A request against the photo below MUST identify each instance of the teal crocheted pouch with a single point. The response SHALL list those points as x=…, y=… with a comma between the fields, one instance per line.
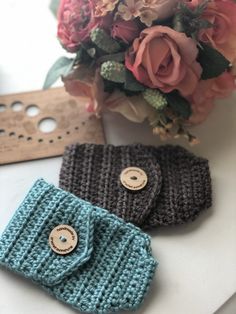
x=100, y=265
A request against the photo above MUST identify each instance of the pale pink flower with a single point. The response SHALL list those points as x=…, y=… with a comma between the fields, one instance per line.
x=130, y=9
x=147, y=10
x=87, y=86
x=151, y=4
x=147, y=16
x=103, y=7
x=163, y=8
x=134, y=108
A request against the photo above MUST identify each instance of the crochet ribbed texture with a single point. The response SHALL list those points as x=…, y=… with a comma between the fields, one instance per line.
x=111, y=268
x=178, y=189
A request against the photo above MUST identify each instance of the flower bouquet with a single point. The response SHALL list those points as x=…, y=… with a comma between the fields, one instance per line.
x=162, y=60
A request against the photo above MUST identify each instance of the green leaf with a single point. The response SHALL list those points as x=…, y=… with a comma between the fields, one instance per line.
x=110, y=87
x=212, y=61
x=190, y=21
x=201, y=7
x=131, y=84
x=85, y=55
x=54, y=4
x=61, y=67
x=179, y=104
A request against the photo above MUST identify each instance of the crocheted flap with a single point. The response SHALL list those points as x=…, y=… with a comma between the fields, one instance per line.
x=92, y=172
x=24, y=245
x=186, y=187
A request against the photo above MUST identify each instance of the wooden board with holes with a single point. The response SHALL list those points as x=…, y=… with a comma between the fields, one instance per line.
x=23, y=115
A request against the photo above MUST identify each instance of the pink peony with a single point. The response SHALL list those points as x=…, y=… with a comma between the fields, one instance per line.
x=222, y=36
x=165, y=59
x=127, y=31
x=75, y=21
x=206, y=92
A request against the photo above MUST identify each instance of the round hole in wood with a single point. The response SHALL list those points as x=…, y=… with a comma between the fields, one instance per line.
x=17, y=106
x=32, y=110
x=2, y=107
x=2, y=132
x=21, y=136
x=47, y=125
x=29, y=138
x=51, y=141
x=12, y=134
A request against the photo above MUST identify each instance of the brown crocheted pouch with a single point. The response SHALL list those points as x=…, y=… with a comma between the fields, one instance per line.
x=178, y=183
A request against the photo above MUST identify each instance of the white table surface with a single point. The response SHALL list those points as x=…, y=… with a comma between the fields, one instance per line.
x=197, y=271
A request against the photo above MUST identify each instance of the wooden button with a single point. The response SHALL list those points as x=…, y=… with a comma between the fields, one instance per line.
x=63, y=239
x=133, y=178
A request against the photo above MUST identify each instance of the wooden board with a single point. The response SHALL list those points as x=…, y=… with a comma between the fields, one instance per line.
x=21, y=135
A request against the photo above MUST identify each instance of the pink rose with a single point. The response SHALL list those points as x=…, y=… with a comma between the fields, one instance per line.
x=75, y=21
x=165, y=59
x=222, y=36
x=206, y=92
x=127, y=31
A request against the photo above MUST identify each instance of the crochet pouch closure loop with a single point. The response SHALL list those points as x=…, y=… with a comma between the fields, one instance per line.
x=24, y=245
